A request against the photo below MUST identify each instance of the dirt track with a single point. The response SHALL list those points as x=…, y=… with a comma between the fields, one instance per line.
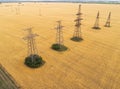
x=6, y=80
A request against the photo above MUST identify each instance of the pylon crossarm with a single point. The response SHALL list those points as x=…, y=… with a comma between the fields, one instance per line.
x=78, y=19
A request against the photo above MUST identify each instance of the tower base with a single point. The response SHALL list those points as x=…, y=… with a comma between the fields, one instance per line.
x=107, y=26
x=59, y=47
x=34, y=61
x=96, y=28
x=77, y=39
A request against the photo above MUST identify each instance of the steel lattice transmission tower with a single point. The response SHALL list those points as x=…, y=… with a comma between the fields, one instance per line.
x=59, y=46
x=39, y=11
x=32, y=49
x=33, y=60
x=107, y=24
x=17, y=10
x=96, y=25
x=59, y=34
x=11, y=8
x=77, y=36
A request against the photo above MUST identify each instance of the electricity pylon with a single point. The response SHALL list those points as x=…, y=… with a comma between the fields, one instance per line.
x=77, y=36
x=17, y=10
x=33, y=60
x=107, y=24
x=59, y=34
x=39, y=11
x=11, y=8
x=32, y=49
x=59, y=46
x=96, y=25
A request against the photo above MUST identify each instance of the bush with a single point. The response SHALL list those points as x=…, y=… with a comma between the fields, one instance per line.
x=96, y=28
x=34, y=61
x=58, y=47
x=76, y=39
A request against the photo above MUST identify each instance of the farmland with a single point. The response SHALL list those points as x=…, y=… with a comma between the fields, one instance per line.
x=90, y=64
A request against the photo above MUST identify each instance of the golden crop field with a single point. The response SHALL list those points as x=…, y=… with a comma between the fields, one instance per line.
x=93, y=63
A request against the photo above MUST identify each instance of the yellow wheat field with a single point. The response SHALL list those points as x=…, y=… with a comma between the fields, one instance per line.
x=93, y=63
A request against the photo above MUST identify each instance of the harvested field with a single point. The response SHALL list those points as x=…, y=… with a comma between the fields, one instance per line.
x=93, y=63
